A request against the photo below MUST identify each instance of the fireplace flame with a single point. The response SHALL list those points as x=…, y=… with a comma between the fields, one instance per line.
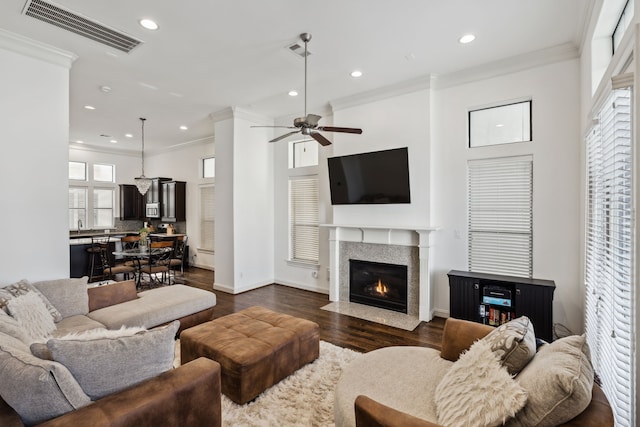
x=381, y=288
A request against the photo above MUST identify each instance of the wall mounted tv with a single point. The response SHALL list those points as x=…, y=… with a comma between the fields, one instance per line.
x=378, y=177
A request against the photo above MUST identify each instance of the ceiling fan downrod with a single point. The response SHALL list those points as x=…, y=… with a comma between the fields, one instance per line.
x=305, y=37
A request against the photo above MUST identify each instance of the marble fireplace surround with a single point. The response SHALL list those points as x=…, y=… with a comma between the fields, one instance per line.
x=403, y=245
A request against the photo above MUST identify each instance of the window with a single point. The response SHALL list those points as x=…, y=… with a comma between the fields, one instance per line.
x=89, y=206
x=303, y=219
x=104, y=173
x=502, y=124
x=103, y=200
x=625, y=19
x=207, y=217
x=77, y=208
x=609, y=260
x=501, y=216
x=209, y=167
x=303, y=153
x=78, y=171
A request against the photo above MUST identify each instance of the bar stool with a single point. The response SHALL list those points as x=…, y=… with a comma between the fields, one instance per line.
x=95, y=260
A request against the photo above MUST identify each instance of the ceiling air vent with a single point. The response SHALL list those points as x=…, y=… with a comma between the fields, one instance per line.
x=70, y=21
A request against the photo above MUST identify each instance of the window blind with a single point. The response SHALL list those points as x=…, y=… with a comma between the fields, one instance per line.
x=207, y=217
x=303, y=219
x=501, y=215
x=608, y=253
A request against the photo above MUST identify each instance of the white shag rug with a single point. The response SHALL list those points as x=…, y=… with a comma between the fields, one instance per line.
x=303, y=399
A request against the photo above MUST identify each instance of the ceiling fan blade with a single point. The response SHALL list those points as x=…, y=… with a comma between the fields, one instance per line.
x=312, y=119
x=284, y=136
x=283, y=127
x=321, y=139
x=339, y=129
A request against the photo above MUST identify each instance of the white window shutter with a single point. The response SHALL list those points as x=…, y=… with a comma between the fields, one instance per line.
x=303, y=219
x=501, y=215
x=609, y=260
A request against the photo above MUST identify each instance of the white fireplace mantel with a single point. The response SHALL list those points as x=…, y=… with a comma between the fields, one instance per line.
x=417, y=236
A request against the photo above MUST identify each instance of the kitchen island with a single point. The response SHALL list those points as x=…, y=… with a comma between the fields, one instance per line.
x=79, y=243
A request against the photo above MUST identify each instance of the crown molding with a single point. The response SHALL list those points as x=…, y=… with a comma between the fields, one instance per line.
x=559, y=53
x=402, y=88
x=239, y=113
x=35, y=49
x=136, y=153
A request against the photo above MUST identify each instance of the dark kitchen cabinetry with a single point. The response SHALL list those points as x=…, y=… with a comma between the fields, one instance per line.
x=173, y=201
x=131, y=203
x=494, y=299
x=154, y=198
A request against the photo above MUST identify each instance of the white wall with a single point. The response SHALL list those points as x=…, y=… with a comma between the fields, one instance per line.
x=555, y=91
x=244, y=203
x=34, y=112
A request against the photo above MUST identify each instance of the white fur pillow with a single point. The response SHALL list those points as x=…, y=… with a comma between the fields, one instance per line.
x=477, y=391
x=32, y=315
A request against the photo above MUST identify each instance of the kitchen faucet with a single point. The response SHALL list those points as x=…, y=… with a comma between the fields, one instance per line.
x=79, y=225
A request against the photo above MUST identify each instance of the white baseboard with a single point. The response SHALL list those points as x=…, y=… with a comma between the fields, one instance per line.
x=315, y=289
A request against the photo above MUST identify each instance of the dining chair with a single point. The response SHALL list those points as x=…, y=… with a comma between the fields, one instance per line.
x=132, y=242
x=157, y=267
x=179, y=254
x=109, y=267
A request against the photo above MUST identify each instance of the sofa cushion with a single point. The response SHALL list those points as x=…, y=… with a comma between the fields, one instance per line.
x=32, y=315
x=108, y=365
x=155, y=307
x=69, y=296
x=10, y=326
x=478, y=391
x=21, y=288
x=514, y=342
x=73, y=324
x=559, y=381
x=36, y=389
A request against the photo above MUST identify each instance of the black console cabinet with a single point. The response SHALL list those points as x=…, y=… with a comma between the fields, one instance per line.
x=526, y=297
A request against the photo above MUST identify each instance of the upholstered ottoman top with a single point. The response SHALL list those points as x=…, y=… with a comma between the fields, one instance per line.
x=255, y=347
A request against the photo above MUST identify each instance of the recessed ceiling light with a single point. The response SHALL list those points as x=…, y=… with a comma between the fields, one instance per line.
x=105, y=89
x=80, y=141
x=356, y=73
x=499, y=125
x=128, y=135
x=149, y=24
x=89, y=107
x=114, y=141
x=467, y=38
x=293, y=93
x=183, y=127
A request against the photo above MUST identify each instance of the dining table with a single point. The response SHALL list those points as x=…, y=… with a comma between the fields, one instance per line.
x=141, y=253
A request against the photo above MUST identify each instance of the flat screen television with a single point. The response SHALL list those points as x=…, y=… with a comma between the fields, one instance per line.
x=378, y=177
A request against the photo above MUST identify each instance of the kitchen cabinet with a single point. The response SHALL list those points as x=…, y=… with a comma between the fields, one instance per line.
x=131, y=203
x=154, y=198
x=477, y=296
x=173, y=201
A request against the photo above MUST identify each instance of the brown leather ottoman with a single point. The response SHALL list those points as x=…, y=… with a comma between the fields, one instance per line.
x=255, y=347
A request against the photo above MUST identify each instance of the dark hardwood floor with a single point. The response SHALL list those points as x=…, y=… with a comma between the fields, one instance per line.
x=344, y=331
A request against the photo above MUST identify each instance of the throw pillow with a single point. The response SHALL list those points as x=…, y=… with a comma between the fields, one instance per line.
x=42, y=351
x=21, y=288
x=514, y=342
x=32, y=315
x=69, y=296
x=108, y=365
x=559, y=381
x=477, y=391
x=36, y=389
x=111, y=294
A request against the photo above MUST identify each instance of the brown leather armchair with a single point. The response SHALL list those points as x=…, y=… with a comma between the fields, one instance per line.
x=186, y=396
x=458, y=336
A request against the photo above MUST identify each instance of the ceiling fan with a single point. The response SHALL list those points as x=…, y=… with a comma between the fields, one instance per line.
x=308, y=125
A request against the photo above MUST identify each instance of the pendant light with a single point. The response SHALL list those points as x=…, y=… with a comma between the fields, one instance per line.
x=142, y=182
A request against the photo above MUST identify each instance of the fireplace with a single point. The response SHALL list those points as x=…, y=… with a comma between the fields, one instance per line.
x=378, y=284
